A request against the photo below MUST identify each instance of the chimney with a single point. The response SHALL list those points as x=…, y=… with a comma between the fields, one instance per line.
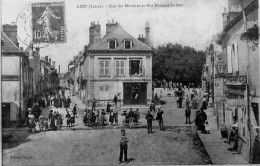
x=141, y=38
x=50, y=61
x=147, y=29
x=46, y=59
x=94, y=33
x=11, y=32
x=53, y=64
x=111, y=26
x=225, y=18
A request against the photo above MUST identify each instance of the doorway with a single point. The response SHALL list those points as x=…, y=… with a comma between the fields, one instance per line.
x=6, y=108
x=135, y=93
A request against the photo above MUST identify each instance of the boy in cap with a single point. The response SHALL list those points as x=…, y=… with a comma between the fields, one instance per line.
x=123, y=146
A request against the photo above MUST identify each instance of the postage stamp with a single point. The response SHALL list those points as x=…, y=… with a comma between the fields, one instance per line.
x=48, y=22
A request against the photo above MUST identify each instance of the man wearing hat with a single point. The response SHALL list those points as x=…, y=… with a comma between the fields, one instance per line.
x=149, y=118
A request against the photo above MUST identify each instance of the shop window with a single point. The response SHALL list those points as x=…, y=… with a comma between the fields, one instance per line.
x=136, y=67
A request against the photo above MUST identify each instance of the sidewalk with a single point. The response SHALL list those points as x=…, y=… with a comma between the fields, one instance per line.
x=215, y=146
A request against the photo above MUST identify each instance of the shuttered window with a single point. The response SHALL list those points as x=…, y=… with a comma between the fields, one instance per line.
x=104, y=68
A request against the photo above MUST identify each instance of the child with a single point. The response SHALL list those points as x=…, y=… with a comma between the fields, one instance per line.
x=123, y=146
x=45, y=124
x=207, y=128
x=41, y=119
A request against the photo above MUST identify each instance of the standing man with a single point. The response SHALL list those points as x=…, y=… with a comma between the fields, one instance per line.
x=119, y=99
x=68, y=101
x=187, y=114
x=149, y=118
x=115, y=100
x=123, y=147
x=75, y=111
x=160, y=118
x=108, y=107
x=94, y=104
x=187, y=101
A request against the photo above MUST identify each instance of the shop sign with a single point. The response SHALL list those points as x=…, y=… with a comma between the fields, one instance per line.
x=238, y=103
x=235, y=80
x=10, y=77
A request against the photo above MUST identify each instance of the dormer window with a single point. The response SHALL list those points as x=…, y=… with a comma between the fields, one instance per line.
x=112, y=44
x=128, y=44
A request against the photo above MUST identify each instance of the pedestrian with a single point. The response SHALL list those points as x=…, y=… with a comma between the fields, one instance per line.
x=97, y=119
x=149, y=118
x=93, y=118
x=64, y=102
x=45, y=124
x=160, y=119
x=68, y=117
x=108, y=107
x=152, y=107
x=115, y=100
x=52, y=123
x=156, y=97
x=119, y=99
x=59, y=122
x=75, y=111
x=123, y=147
x=41, y=119
x=187, y=101
x=111, y=117
x=103, y=117
x=50, y=115
x=204, y=103
x=68, y=101
x=187, y=114
x=207, y=127
x=256, y=148
x=26, y=121
x=31, y=122
x=137, y=115
x=94, y=104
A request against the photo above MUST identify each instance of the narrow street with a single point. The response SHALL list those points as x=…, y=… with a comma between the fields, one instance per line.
x=177, y=145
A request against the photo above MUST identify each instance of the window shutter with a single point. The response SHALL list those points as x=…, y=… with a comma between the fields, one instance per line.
x=101, y=67
x=130, y=67
x=141, y=67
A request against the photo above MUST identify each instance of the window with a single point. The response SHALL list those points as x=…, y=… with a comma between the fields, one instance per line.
x=112, y=44
x=128, y=44
x=104, y=92
x=104, y=68
x=135, y=67
x=120, y=67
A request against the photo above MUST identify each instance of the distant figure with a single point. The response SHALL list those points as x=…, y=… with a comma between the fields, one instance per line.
x=160, y=119
x=123, y=146
x=152, y=107
x=207, y=127
x=149, y=118
x=187, y=114
x=256, y=148
x=115, y=100
x=75, y=111
x=94, y=104
x=156, y=97
x=108, y=107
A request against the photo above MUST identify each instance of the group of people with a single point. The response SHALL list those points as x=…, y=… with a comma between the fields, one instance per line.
x=94, y=119
x=150, y=118
x=131, y=118
x=58, y=99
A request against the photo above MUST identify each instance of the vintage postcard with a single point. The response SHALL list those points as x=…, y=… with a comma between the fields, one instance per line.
x=130, y=82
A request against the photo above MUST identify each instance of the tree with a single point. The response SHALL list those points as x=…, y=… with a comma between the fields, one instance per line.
x=177, y=63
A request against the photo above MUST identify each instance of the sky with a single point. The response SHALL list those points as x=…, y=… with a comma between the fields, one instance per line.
x=192, y=24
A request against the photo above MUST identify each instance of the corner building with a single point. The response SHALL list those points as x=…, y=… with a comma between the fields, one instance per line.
x=118, y=64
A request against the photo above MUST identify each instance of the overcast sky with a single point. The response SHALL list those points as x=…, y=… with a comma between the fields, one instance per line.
x=193, y=25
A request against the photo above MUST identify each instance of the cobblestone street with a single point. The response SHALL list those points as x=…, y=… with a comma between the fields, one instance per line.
x=179, y=144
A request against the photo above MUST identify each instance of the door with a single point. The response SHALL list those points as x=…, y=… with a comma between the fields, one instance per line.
x=5, y=114
x=135, y=93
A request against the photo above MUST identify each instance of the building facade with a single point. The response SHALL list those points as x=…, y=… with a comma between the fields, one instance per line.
x=118, y=64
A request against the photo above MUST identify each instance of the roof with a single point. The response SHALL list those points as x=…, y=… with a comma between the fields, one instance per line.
x=120, y=35
x=7, y=45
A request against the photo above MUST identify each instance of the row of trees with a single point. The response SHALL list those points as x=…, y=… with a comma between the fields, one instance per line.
x=177, y=63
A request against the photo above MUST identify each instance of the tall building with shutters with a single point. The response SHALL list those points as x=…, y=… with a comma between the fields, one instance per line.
x=118, y=64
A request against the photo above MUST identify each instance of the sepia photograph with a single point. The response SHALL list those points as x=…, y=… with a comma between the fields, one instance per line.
x=129, y=82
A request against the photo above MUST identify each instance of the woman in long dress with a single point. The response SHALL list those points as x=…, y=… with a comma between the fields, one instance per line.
x=31, y=122
x=256, y=148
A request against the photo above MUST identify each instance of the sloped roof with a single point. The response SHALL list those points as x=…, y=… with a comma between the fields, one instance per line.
x=7, y=45
x=120, y=35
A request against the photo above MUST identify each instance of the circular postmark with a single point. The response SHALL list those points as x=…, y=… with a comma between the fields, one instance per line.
x=24, y=29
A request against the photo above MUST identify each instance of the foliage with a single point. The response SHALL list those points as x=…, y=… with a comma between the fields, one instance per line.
x=177, y=63
x=251, y=35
